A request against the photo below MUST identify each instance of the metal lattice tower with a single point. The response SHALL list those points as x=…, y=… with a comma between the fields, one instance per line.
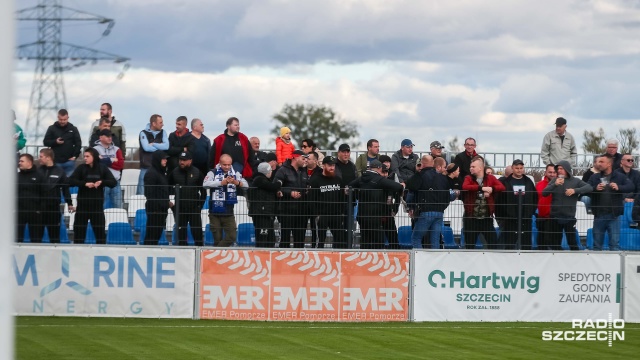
x=47, y=92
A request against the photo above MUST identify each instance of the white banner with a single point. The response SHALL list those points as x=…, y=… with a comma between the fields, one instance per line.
x=104, y=281
x=632, y=288
x=478, y=286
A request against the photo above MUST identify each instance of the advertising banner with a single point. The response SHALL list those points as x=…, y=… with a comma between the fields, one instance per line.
x=104, y=281
x=304, y=285
x=478, y=286
x=632, y=288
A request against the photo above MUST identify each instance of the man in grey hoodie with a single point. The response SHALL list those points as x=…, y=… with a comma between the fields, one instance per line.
x=565, y=190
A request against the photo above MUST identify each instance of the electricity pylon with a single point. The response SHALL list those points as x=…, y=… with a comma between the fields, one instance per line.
x=47, y=91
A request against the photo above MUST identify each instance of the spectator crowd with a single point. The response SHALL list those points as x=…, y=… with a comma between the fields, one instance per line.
x=303, y=189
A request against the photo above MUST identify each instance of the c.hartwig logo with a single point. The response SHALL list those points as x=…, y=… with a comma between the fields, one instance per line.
x=65, y=272
x=589, y=330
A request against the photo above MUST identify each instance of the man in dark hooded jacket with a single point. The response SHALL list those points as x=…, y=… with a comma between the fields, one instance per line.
x=374, y=191
x=55, y=183
x=262, y=204
x=565, y=190
x=156, y=190
x=29, y=192
x=293, y=216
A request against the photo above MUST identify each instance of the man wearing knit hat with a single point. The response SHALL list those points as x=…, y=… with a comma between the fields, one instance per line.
x=284, y=146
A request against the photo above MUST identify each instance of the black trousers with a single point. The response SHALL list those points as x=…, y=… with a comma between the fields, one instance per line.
x=509, y=234
x=391, y=231
x=544, y=233
x=156, y=222
x=335, y=223
x=556, y=234
x=183, y=219
x=34, y=219
x=51, y=216
x=474, y=227
x=85, y=214
x=292, y=224
x=265, y=236
x=371, y=233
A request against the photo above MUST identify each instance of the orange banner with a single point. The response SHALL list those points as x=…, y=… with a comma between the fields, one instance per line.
x=374, y=286
x=234, y=284
x=304, y=285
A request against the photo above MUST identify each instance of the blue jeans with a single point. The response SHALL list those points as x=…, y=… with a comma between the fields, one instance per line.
x=587, y=202
x=140, y=190
x=429, y=222
x=113, y=197
x=602, y=224
x=68, y=167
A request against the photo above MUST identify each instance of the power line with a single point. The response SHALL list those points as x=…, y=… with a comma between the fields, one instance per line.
x=47, y=92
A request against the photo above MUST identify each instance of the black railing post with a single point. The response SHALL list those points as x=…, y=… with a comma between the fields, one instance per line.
x=519, y=241
x=350, y=219
x=176, y=211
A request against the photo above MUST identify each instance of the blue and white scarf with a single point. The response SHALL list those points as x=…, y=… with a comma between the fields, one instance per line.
x=223, y=195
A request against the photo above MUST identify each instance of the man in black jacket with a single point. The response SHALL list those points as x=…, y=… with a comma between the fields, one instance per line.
x=328, y=201
x=609, y=188
x=293, y=218
x=519, y=191
x=180, y=141
x=156, y=190
x=463, y=159
x=190, y=196
x=262, y=204
x=345, y=168
x=626, y=168
x=55, y=183
x=64, y=139
x=431, y=191
x=29, y=193
x=374, y=192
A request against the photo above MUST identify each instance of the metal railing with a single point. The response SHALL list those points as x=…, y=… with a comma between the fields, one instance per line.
x=364, y=219
x=498, y=161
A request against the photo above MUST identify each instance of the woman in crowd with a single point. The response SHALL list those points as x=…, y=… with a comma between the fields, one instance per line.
x=91, y=179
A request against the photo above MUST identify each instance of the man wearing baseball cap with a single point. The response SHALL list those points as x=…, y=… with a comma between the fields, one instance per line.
x=190, y=198
x=345, y=168
x=403, y=161
x=519, y=191
x=329, y=200
x=559, y=145
x=436, y=151
x=294, y=209
x=111, y=156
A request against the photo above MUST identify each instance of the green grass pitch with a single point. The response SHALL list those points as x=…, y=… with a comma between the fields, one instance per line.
x=118, y=338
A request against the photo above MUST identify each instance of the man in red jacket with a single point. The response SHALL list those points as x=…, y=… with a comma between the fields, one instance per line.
x=235, y=144
x=543, y=219
x=479, y=205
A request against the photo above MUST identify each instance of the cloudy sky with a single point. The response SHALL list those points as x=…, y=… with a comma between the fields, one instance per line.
x=500, y=71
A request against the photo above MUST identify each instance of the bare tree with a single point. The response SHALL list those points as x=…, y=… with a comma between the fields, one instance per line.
x=594, y=143
x=628, y=140
x=453, y=145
